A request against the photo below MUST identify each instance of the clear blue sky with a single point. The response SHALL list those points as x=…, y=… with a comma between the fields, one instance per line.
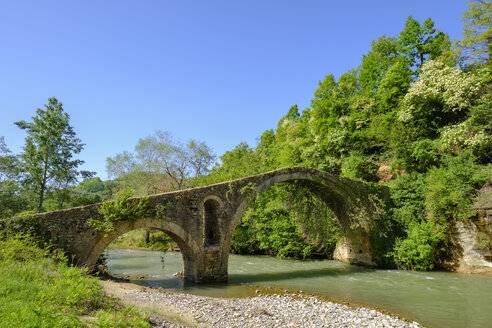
x=217, y=71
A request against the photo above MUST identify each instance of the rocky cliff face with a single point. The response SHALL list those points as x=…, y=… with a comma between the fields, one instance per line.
x=475, y=237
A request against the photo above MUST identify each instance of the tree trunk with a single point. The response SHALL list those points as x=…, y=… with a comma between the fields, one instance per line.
x=43, y=185
x=41, y=198
x=147, y=236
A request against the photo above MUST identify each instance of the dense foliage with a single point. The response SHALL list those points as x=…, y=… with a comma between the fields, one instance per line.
x=287, y=221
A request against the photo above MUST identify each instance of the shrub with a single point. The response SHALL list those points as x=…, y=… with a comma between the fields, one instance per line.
x=358, y=166
x=424, y=155
x=451, y=188
x=422, y=247
x=123, y=208
x=408, y=195
x=243, y=240
x=287, y=221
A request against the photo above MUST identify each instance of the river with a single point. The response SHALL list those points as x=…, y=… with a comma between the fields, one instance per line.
x=434, y=299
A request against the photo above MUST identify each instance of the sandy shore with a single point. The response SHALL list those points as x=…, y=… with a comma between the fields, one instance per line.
x=173, y=309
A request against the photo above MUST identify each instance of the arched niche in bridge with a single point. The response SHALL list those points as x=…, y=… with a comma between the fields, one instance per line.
x=188, y=246
x=211, y=233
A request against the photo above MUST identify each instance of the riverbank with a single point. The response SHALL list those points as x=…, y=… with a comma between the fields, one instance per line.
x=38, y=289
x=173, y=309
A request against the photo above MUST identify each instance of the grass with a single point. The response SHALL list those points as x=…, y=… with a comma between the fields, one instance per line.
x=38, y=289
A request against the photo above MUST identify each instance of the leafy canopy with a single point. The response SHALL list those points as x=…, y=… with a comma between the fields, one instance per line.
x=477, y=31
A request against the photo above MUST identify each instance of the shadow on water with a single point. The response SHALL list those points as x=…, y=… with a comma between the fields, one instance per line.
x=238, y=282
x=238, y=278
x=249, y=278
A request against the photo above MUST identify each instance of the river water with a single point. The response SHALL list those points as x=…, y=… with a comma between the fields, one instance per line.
x=434, y=299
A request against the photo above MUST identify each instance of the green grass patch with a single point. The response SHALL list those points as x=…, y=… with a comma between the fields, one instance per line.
x=38, y=289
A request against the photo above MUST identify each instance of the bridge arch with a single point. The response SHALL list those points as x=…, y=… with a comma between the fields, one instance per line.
x=343, y=196
x=188, y=246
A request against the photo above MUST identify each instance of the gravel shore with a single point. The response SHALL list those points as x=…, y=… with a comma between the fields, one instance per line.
x=174, y=310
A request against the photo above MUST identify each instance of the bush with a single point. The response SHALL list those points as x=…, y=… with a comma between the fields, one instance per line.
x=423, y=156
x=408, y=195
x=137, y=239
x=123, y=208
x=422, y=247
x=244, y=240
x=287, y=221
x=274, y=229
x=277, y=232
x=358, y=166
x=452, y=188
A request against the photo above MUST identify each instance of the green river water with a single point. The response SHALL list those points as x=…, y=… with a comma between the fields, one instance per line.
x=434, y=299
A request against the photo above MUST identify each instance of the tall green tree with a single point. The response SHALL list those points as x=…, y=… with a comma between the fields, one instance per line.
x=477, y=32
x=47, y=157
x=239, y=162
x=12, y=200
x=442, y=96
x=421, y=42
x=8, y=162
x=383, y=54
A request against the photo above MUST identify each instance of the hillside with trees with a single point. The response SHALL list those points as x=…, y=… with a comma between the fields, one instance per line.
x=415, y=115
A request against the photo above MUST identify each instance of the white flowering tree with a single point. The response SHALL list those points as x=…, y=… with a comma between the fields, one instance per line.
x=462, y=136
x=442, y=96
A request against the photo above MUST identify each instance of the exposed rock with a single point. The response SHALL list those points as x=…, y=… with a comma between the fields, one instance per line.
x=475, y=236
x=384, y=173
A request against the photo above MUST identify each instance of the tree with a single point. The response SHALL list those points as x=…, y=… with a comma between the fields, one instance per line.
x=170, y=157
x=394, y=86
x=421, y=42
x=91, y=191
x=62, y=193
x=201, y=157
x=161, y=163
x=47, y=158
x=443, y=95
x=8, y=162
x=11, y=199
x=121, y=164
x=477, y=32
x=236, y=163
x=383, y=54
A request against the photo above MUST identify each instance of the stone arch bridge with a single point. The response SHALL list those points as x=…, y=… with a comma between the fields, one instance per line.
x=202, y=220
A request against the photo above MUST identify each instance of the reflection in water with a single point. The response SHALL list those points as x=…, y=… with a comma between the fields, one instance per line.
x=435, y=299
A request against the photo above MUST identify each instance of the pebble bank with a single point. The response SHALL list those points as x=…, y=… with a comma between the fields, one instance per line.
x=287, y=310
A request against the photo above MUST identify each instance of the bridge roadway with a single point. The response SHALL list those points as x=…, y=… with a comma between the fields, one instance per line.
x=202, y=220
